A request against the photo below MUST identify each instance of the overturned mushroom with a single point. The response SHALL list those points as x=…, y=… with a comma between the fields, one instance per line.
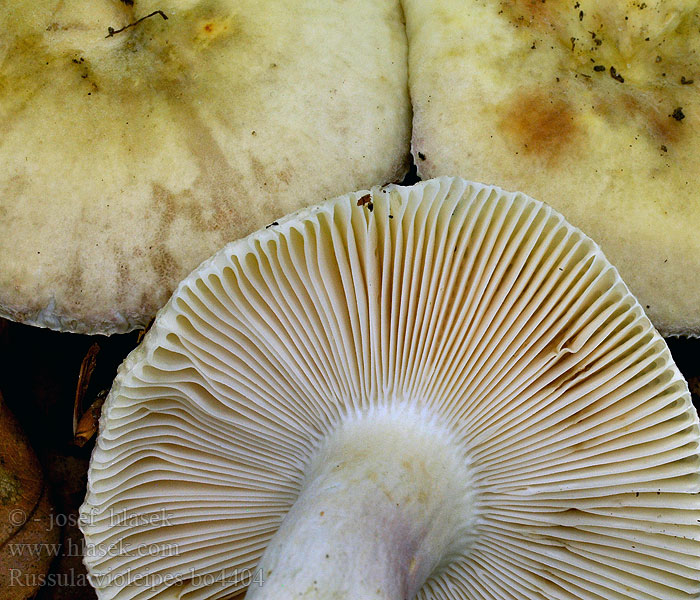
x=451, y=395
x=590, y=106
x=139, y=137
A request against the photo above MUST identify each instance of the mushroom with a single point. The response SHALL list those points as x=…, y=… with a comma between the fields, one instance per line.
x=590, y=106
x=29, y=536
x=438, y=391
x=138, y=137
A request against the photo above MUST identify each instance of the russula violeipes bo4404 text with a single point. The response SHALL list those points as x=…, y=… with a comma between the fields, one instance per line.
x=139, y=137
x=589, y=106
x=443, y=391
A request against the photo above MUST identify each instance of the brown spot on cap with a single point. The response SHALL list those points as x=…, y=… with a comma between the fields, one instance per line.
x=529, y=12
x=649, y=111
x=213, y=28
x=542, y=125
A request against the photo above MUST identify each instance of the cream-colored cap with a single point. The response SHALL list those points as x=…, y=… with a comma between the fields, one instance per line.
x=589, y=106
x=133, y=146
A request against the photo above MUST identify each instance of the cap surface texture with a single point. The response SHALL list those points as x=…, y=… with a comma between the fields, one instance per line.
x=140, y=137
x=591, y=107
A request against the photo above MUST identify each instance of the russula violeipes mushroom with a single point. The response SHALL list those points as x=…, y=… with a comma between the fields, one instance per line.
x=443, y=391
x=139, y=137
x=590, y=106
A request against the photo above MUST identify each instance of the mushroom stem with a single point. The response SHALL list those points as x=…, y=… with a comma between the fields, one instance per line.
x=386, y=503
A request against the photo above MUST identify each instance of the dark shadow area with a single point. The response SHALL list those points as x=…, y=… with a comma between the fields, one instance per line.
x=38, y=381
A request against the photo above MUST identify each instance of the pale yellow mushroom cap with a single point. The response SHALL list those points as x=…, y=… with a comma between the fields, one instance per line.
x=590, y=106
x=129, y=158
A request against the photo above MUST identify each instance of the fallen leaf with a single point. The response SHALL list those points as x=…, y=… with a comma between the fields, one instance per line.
x=86, y=369
x=90, y=421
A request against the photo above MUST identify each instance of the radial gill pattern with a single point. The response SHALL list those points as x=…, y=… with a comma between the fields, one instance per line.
x=483, y=307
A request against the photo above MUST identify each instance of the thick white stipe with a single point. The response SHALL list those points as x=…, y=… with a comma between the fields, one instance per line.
x=387, y=501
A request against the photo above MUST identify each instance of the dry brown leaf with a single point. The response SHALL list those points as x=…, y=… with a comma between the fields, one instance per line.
x=90, y=421
x=86, y=369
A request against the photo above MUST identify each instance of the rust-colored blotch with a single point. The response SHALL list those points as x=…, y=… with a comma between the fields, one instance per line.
x=541, y=125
